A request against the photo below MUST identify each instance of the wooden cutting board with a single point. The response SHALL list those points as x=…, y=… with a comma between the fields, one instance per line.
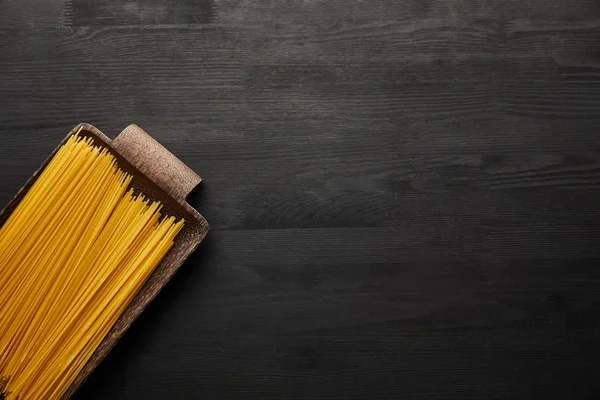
x=160, y=176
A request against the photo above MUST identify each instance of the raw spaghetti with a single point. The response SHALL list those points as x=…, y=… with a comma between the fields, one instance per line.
x=73, y=254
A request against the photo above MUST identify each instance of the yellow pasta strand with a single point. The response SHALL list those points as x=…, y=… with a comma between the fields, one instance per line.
x=73, y=255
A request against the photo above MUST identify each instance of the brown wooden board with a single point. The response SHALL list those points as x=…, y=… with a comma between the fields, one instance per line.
x=160, y=176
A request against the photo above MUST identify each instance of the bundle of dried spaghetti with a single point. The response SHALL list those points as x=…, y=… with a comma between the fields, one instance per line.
x=73, y=254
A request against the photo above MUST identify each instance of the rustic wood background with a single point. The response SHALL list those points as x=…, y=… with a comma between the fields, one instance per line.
x=404, y=195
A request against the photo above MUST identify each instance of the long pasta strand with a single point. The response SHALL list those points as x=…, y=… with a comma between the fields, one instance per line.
x=73, y=254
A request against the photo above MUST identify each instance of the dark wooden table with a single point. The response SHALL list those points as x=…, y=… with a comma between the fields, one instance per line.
x=404, y=195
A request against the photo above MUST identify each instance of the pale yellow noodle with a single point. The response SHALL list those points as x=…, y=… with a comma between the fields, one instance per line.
x=73, y=255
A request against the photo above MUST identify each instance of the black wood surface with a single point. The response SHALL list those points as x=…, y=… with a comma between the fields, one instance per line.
x=404, y=195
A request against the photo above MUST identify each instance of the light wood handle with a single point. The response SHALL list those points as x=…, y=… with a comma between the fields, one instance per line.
x=156, y=162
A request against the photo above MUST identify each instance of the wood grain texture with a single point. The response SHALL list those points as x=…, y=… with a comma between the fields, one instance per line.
x=133, y=12
x=156, y=162
x=426, y=39
x=403, y=195
x=35, y=13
